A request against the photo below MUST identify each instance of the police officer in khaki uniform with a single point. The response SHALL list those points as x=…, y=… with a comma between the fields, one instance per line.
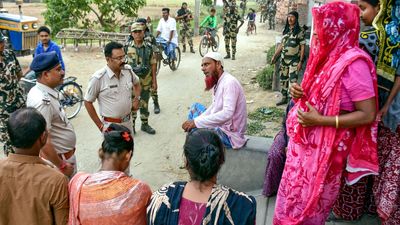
x=141, y=59
x=113, y=86
x=61, y=140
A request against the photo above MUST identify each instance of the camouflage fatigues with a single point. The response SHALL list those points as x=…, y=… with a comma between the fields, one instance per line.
x=141, y=59
x=231, y=30
x=271, y=12
x=243, y=7
x=290, y=58
x=12, y=96
x=264, y=13
x=226, y=6
x=185, y=31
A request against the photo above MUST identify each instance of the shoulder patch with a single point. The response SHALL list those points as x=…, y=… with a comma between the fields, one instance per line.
x=46, y=98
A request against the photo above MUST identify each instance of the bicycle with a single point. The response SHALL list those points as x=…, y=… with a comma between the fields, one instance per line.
x=162, y=58
x=206, y=42
x=251, y=26
x=71, y=95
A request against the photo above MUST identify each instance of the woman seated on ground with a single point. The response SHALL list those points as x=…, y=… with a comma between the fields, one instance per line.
x=201, y=200
x=110, y=196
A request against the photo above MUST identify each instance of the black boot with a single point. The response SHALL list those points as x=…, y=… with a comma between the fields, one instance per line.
x=283, y=101
x=147, y=128
x=228, y=56
x=184, y=48
x=233, y=57
x=156, y=107
x=192, y=50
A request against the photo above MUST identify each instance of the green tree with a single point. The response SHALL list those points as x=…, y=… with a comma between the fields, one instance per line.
x=69, y=13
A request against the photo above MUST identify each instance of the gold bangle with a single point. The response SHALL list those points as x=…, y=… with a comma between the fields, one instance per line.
x=337, y=122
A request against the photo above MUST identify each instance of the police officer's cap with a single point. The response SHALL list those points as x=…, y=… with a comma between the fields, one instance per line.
x=137, y=27
x=44, y=62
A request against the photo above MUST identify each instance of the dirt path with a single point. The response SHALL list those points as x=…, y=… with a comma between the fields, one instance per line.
x=157, y=158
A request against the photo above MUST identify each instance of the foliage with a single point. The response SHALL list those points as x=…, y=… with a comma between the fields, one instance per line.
x=270, y=53
x=264, y=77
x=207, y=2
x=254, y=128
x=267, y=114
x=66, y=13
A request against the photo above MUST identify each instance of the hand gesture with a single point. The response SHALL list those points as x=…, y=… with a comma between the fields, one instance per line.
x=310, y=118
x=296, y=91
x=188, y=125
x=382, y=112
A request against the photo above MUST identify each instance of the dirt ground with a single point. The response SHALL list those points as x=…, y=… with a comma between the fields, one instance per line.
x=157, y=159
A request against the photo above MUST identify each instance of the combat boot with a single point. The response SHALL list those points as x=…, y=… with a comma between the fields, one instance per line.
x=184, y=48
x=147, y=128
x=192, y=50
x=156, y=107
x=233, y=57
x=228, y=56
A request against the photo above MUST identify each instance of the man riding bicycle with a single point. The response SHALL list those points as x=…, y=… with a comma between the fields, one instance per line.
x=167, y=35
x=210, y=23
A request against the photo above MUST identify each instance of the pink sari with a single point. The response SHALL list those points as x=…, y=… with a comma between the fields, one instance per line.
x=317, y=156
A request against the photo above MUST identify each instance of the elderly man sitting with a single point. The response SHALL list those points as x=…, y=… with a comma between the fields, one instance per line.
x=227, y=115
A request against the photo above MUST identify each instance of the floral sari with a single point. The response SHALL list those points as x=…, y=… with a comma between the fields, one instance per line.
x=317, y=156
x=107, y=197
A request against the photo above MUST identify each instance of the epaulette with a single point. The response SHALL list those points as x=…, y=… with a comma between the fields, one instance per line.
x=100, y=74
x=46, y=98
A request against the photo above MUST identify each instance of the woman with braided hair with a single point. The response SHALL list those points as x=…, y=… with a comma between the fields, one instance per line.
x=110, y=196
x=201, y=200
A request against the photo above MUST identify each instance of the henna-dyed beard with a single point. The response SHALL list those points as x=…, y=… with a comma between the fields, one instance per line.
x=210, y=81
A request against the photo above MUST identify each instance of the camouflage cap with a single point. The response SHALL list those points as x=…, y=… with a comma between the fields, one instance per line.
x=137, y=26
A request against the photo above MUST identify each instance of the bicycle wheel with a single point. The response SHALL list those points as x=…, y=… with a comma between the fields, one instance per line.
x=175, y=63
x=216, y=46
x=203, y=46
x=71, y=99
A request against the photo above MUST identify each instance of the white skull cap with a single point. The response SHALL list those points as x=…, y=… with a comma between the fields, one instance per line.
x=216, y=56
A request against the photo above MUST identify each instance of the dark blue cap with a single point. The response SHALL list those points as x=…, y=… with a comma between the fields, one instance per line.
x=45, y=61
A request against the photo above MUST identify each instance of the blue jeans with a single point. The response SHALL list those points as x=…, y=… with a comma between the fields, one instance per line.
x=169, y=50
x=196, y=110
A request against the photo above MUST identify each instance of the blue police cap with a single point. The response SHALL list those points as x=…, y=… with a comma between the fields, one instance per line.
x=45, y=61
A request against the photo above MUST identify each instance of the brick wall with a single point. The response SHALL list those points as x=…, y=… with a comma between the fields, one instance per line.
x=285, y=6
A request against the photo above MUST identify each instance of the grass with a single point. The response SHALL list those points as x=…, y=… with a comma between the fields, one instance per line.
x=267, y=114
x=264, y=121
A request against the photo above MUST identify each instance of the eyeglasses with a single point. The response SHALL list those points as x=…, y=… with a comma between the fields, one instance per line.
x=121, y=58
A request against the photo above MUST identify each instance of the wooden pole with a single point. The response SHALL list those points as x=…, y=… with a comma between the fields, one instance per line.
x=196, y=17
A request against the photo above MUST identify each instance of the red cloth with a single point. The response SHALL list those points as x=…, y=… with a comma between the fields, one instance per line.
x=316, y=155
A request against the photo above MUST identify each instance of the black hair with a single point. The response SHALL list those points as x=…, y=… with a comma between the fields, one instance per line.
x=184, y=3
x=117, y=138
x=25, y=126
x=213, y=9
x=43, y=29
x=165, y=9
x=205, y=154
x=296, y=28
x=111, y=46
x=374, y=3
x=141, y=20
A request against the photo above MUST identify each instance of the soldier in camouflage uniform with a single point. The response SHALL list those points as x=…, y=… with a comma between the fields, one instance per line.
x=264, y=12
x=151, y=40
x=291, y=51
x=141, y=59
x=231, y=30
x=227, y=4
x=12, y=96
x=184, y=16
x=243, y=6
x=271, y=13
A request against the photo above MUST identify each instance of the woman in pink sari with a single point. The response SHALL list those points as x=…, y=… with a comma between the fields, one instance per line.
x=110, y=196
x=331, y=127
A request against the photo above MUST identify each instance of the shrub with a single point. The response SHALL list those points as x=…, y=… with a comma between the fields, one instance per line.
x=264, y=77
x=270, y=53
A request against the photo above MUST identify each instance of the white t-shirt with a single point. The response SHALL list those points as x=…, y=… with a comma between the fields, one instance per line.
x=165, y=27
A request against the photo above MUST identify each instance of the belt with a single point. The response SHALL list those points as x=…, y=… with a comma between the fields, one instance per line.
x=67, y=155
x=117, y=120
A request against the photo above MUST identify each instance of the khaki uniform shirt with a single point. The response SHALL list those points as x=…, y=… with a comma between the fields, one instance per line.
x=61, y=132
x=31, y=192
x=114, y=95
